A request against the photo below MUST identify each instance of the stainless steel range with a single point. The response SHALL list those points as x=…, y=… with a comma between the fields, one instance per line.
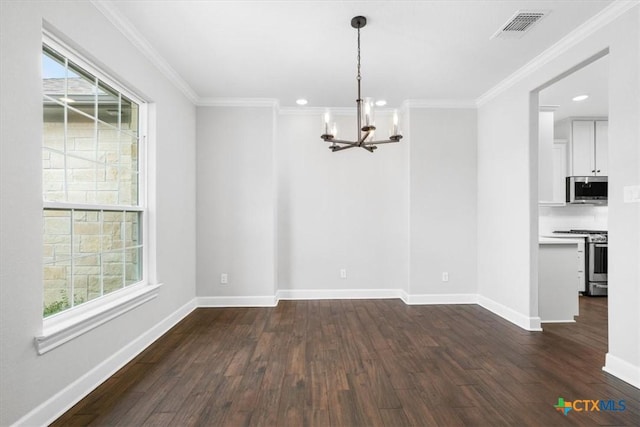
x=596, y=260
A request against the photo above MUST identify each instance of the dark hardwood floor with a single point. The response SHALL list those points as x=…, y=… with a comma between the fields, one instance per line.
x=362, y=363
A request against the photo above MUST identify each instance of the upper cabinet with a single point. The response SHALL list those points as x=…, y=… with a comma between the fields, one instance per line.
x=589, y=147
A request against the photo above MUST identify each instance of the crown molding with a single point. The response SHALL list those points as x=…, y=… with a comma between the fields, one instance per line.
x=603, y=18
x=237, y=102
x=439, y=103
x=107, y=8
x=314, y=111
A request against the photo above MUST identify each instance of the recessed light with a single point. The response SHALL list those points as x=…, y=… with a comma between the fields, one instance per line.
x=381, y=102
x=301, y=101
x=580, y=97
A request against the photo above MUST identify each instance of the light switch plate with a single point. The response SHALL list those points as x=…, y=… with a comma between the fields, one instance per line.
x=632, y=194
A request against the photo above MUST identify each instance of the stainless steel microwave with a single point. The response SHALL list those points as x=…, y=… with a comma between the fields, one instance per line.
x=587, y=190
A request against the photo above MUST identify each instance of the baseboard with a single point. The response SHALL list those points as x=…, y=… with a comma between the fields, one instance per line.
x=430, y=299
x=306, y=294
x=622, y=369
x=519, y=319
x=57, y=405
x=558, y=321
x=253, y=301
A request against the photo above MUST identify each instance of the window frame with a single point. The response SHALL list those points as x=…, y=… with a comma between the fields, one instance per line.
x=75, y=321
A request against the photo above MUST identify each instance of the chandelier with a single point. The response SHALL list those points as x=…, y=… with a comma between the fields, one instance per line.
x=366, y=126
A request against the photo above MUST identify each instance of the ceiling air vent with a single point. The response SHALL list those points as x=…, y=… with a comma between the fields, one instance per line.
x=521, y=22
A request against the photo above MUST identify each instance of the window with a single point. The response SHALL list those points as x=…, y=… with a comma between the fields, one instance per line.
x=93, y=186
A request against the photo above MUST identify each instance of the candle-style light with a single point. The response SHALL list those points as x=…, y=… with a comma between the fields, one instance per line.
x=366, y=121
x=395, y=123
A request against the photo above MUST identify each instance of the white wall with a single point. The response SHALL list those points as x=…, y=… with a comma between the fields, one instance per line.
x=443, y=200
x=28, y=379
x=582, y=217
x=408, y=209
x=347, y=209
x=236, y=201
x=507, y=212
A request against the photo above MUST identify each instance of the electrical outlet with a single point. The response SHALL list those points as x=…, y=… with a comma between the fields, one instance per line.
x=224, y=278
x=343, y=273
x=445, y=276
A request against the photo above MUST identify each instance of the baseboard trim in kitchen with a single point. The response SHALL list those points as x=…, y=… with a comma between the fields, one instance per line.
x=622, y=369
x=519, y=319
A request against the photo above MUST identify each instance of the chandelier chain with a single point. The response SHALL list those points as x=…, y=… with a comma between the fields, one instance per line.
x=358, y=77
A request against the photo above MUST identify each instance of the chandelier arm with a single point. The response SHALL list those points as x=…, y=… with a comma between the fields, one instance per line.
x=369, y=149
x=386, y=141
x=340, y=141
x=346, y=147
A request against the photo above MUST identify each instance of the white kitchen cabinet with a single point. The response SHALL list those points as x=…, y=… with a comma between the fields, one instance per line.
x=589, y=147
x=557, y=296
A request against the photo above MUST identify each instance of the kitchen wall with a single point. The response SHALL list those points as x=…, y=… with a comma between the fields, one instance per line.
x=29, y=380
x=589, y=217
x=507, y=202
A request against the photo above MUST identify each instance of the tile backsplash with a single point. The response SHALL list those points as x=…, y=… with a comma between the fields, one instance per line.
x=587, y=217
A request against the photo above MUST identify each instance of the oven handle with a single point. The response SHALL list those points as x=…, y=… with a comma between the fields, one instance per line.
x=600, y=245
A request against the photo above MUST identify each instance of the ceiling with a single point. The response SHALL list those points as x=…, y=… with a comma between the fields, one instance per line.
x=591, y=80
x=285, y=50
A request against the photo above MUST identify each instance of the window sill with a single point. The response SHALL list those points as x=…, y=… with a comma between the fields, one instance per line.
x=58, y=330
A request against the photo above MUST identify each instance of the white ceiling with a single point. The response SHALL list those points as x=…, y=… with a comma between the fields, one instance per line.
x=590, y=80
x=429, y=50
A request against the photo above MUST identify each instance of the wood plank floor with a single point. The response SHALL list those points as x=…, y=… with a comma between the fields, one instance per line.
x=362, y=363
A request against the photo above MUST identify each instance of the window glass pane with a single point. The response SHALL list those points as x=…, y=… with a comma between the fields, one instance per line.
x=80, y=135
x=129, y=169
x=108, y=144
x=81, y=90
x=129, y=116
x=53, y=176
x=54, y=75
x=132, y=229
x=132, y=266
x=112, y=230
x=86, y=278
x=57, y=287
x=56, y=235
x=87, y=232
x=113, y=271
x=82, y=176
x=108, y=105
x=53, y=125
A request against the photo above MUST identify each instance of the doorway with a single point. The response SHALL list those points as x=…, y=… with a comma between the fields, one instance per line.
x=572, y=108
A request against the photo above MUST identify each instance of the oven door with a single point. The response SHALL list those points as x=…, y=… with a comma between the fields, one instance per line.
x=598, y=262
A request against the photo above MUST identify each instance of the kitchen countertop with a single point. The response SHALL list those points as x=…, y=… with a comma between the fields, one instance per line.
x=570, y=239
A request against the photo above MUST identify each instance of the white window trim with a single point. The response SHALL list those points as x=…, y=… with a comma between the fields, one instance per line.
x=69, y=324
x=64, y=327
